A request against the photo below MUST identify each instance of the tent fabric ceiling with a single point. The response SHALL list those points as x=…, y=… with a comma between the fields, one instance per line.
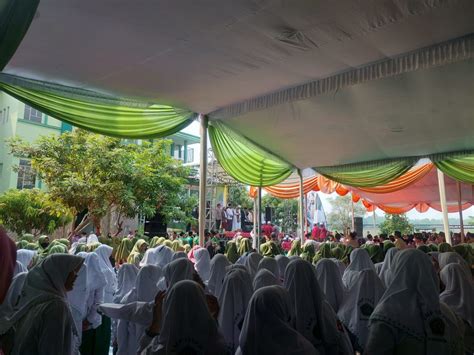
x=205, y=55
x=209, y=55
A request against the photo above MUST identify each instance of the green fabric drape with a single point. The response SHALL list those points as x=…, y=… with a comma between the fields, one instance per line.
x=15, y=19
x=458, y=166
x=97, y=112
x=244, y=160
x=368, y=174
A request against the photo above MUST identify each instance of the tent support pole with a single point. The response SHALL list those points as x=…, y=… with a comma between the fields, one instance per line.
x=352, y=214
x=444, y=207
x=259, y=218
x=461, y=219
x=254, y=229
x=305, y=213
x=301, y=208
x=375, y=219
x=203, y=179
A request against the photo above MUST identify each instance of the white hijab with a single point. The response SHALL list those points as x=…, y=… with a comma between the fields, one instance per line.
x=147, y=283
x=25, y=256
x=179, y=255
x=43, y=283
x=203, y=263
x=452, y=257
x=19, y=268
x=283, y=262
x=104, y=252
x=251, y=262
x=233, y=300
x=92, y=239
x=387, y=265
x=78, y=296
x=188, y=326
x=13, y=294
x=330, y=280
x=414, y=279
x=459, y=292
x=359, y=304
x=218, y=270
x=126, y=278
x=269, y=264
x=178, y=270
x=265, y=278
x=150, y=257
x=95, y=276
x=360, y=260
x=267, y=327
x=313, y=313
x=164, y=255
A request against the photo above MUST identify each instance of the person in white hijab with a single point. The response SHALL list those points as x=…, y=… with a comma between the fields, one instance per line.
x=19, y=268
x=233, y=300
x=283, y=262
x=453, y=258
x=177, y=270
x=270, y=264
x=360, y=260
x=409, y=318
x=203, y=263
x=164, y=255
x=25, y=257
x=41, y=319
x=150, y=257
x=126, y=278
x=384, y=273
x=104, y=252
x=77, y=299
x=268, y=326
x=185, y=325
x=265, y=278
x=358, y=305
x=315, y=318
x=251, y=262
x=330, y=280
x=92, y=239
x=179, y=255
x=459, y=296
x=218, y=270
x=13, y=294
x=128, y=333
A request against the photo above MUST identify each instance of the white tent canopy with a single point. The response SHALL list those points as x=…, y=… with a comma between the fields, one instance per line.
x=214, y=56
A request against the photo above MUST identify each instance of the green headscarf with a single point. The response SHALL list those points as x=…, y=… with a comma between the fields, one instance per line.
x=57, y=249
x=168, y=243
x=375, y=253
x=21, y=244
x=444, y=247
x=31, y=246
x=154, y=242
x=231, y=252
x=347, y=251
x=136, y=255
x=244, y=246
x=30, y=238
x=466, y=252
x=387, y=244
x=81, y=247
x=176, y=245
x=42, y=240
x=269, y=249
x=187, y=248
x=424, y=248
x=337, y=252
x=65, y=242
x=91, y=247
x=295, y=248
x=433, y=247
x=124, y=249
x=309, y=252
x=324, y=252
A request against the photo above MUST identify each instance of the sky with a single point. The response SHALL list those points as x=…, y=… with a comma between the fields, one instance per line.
x=193, y=128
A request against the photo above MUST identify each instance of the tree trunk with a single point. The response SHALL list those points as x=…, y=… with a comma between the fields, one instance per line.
x=84, y=223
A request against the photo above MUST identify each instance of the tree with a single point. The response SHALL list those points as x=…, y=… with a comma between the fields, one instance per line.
x=285, y=212
x=396, y=222
x=239, y=196
x=32, y=211
x=340, y=217
x=87, y=171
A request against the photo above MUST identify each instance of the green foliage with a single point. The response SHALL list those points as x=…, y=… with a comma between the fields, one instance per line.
x=32, y=211
x=340, y=217
x=285, y=212
x=239, y=196
x=396, y=222
x=94, y=172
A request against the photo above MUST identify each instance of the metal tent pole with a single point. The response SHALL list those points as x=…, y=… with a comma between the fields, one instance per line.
x=254, y=242
x=461, y=219
x=444, y=207
x=202, y=179
x=352, y=213
x=301, y=207
x=259, y=218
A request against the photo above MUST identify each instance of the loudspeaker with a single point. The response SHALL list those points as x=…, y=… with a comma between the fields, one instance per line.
x=359, y=226
x=155, y=226
x=268, y=214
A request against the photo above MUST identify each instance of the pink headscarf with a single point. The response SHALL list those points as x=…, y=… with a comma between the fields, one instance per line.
x=191, y=253
x=7, y=263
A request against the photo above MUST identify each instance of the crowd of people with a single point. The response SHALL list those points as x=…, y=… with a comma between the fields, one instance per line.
x=168, y=295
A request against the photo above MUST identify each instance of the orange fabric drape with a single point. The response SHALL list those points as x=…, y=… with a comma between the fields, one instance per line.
x=253, y=192
x=410, y=177
x=288, y=191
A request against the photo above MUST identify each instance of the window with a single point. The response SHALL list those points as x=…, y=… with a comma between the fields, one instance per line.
x=190, y=157
x=33, y=115
x=26, y=175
